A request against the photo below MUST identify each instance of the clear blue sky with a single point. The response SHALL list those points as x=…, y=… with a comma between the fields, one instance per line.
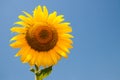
x=96, y=27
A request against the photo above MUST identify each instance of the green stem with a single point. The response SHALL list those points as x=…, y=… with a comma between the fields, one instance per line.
x=37, y=72
x=37, y=77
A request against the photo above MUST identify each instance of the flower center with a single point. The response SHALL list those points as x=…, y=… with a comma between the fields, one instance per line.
x=42, y=38
x=44, y=34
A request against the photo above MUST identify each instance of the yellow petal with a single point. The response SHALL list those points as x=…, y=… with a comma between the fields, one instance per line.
x=66, y=43
x=26, y=19
x=63, y=47
x=27, y=14
x=38, y=14
x=39, y=59
x=21, y=51
x=18, y=29
x=63, y=28
x=55, y=57
x=34, y=57
x=47, y=59
x=44, y=60
x=45, y=12
x=17, y=37
x=17, y=44
x=28, y=57
x=23, y=24
x=51, y=17
x=25, y=54
x=66, y=36
x=67, y=40
x=61, y=52
x=58, y=19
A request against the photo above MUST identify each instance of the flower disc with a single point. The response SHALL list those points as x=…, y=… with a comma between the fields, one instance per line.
x=43, y=38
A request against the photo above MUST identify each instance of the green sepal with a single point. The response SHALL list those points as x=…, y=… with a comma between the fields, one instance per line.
x=44, y=73
x=32, y=70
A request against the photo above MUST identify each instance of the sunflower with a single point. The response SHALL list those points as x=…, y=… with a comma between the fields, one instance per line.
x=43, y=38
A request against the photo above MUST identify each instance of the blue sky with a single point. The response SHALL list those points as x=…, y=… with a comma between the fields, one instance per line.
x=96, y=27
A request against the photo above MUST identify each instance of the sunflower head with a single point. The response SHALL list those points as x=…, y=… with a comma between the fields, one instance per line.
x=43, y=38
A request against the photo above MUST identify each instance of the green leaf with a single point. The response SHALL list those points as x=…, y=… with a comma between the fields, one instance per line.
x=44, y=73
